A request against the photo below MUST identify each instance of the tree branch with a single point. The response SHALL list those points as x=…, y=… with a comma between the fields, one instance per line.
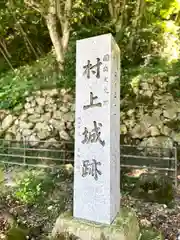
x=36, y=6
x=64, y=11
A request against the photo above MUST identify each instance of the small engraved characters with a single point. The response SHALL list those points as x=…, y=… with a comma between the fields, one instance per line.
x=91, y=168
x=106, y=58
x=90, y=68
x=106, y=90
x=92, y=104
x=94, y=135
x=105, y=68
x=106, y=79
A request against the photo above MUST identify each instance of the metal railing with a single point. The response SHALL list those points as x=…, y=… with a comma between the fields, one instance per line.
x=150, y=158
x=36, y=154
x=52, y=154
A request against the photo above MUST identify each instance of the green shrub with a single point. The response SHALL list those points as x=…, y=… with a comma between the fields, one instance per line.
x=42, y=74
x=33, y=187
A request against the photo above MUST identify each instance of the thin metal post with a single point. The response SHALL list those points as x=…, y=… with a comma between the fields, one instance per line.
x=24, y=145
x=176, y=183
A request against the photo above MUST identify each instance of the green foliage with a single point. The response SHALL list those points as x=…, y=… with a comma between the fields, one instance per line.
x=16, y=234
x=16, y=85
x=23, y=35
x=155, y=188
x=33, y=187
x=29, y=189
x=149, y=234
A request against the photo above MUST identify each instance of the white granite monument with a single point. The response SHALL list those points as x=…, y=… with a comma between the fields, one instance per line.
x=97, y=130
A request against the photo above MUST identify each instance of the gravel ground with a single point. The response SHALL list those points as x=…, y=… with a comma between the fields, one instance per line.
x=158, y=216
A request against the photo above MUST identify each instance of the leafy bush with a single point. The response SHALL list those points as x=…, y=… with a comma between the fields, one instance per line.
x=29, y=189
x=43, y=74
x=33, y=187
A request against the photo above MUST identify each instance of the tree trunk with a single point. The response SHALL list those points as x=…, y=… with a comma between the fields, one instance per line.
x=140, y=6
x=117, y=10
x=51, y=22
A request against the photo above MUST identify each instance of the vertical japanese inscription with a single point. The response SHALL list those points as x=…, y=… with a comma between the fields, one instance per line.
x=92, y=104
x=94, y=135
x=91, y=168
x=95, y=69
x=105, y=69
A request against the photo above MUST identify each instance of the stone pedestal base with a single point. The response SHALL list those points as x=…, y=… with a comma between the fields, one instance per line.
x=125, y=227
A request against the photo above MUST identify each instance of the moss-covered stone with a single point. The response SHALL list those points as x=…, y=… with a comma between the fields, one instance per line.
x=124, y=227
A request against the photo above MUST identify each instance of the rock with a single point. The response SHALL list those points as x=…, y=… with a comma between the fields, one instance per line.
x=12, y=130
x=1, y=132
x=33, y=103
x=176, y=137
x=157, y=113
x=69, y=125
x=64, y=135
x=54, y=93
x=123, y=129
x=63, y=92
x=165, y=100
x=43, y=130
x=67, y=98
x=172, y=79
x=64, y=109
x=51, y=107
x=7, y=122
x=72, y=132
x=154, y=131
x=18, y=137
x=51, y=93
x=155, y=103
x=33, y=140
x=26, y=132
x=58, y=115
x=57, y=124
x=52, y=142
x=3, y=114
x=150, y=120
x=30, y=99
x=8, y=137
x=165, y=130
x=16, y=122
x=140, y=131
x=145, y=223
x=69, y=117
x=30, y=110
x=130, y=123
x=130, y=112
x=73, y=107
x=170, y=113
x=40, y=101
x=34, y=118
x=148, y=93
x=23, y=116
x=39, y=110
x=27, y=105
x=49, y=101
x=159, y=142
x=46, y=117
x=25, y=125
x=145, y=85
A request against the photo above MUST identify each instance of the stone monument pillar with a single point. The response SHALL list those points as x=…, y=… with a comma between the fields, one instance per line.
x=97, y=130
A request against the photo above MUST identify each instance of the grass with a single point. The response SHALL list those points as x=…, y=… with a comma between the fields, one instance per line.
x=37, y=198
x=40, y=195
x=150, y=234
